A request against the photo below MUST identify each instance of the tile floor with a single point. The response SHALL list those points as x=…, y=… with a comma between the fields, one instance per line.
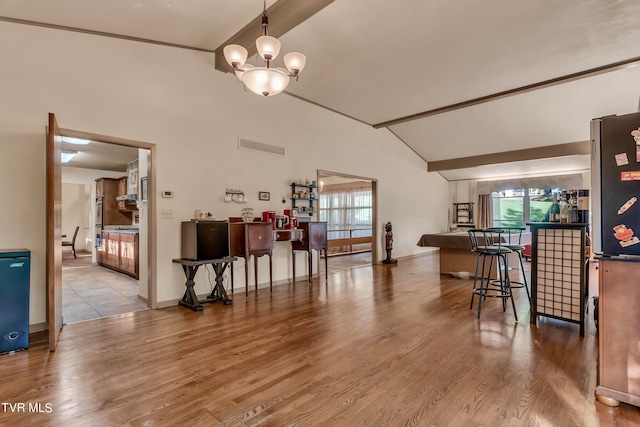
x=91, y=292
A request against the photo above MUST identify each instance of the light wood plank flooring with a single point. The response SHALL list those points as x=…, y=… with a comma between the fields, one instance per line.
x=376, y=346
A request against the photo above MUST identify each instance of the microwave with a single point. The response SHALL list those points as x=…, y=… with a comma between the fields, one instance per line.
x=202, y=240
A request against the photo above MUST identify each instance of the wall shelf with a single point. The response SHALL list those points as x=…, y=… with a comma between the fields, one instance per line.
x=304, y=193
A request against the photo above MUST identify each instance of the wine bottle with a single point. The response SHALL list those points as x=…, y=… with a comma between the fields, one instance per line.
x=554, y=210
x=564, y=209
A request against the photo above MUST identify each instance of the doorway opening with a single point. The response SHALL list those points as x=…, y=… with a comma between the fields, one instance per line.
x=94, y=284
x=348, y=204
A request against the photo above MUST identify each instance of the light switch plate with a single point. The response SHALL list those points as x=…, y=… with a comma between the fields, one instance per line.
x=166, y=213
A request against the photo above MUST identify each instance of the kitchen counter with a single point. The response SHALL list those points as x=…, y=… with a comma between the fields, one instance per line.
x=455, y=252
x=119, y=251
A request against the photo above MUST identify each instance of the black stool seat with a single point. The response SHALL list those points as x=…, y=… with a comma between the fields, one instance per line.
x=513, y=237
x=487, y=244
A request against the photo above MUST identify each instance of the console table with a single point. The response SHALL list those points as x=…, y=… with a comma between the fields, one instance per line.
x=218, y=294
x=313, y=236
x=251, y=238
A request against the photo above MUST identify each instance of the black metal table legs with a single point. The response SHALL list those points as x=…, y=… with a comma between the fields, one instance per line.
x=219, y=294
x=190, y=299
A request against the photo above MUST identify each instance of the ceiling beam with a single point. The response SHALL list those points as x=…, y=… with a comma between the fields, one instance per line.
x=517, y=91
x=284, y=15
x=537, y=153
x=98, y=33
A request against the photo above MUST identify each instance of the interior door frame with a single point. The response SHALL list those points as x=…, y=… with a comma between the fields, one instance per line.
x=54, y=231
x=374, y=207
x=152, y=266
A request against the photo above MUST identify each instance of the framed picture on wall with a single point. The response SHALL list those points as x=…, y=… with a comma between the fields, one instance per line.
x=263, y=195
x=144, y=189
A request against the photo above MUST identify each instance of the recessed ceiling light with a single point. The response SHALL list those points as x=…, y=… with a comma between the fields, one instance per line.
x=76, y=141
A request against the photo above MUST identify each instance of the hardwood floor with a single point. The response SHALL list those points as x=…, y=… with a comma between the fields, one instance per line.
x=376, y=346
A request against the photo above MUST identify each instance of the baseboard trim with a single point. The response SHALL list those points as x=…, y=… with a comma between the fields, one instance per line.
x=37, y=327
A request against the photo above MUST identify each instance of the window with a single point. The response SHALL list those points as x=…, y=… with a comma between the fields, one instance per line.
x=347, y=209
x=508, y=208
x=515, y=207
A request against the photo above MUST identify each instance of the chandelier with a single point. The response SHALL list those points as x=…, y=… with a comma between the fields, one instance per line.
x=267, y=80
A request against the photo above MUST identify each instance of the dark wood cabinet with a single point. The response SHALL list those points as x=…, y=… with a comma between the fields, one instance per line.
x=107, y=188
x=122, y=191
x=120, y=252
x=618, y=332
x=129, y=253
x=99, y=187
x=314, y=237
x=251, y=238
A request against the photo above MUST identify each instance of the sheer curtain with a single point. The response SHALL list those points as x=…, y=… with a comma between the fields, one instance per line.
x=347, y=209
x=485, y=211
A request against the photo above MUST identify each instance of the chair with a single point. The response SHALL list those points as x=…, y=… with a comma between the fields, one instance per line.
x=72, y=243
x=514, y=242
x=487, y=243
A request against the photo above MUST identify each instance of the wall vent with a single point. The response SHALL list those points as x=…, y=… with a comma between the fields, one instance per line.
x=245, y=144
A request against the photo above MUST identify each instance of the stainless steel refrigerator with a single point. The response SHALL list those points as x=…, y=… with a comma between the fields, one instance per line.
x=615, y=185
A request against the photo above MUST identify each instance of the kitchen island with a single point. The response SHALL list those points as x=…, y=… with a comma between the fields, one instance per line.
x=119, y=251
x=456, y=254
x=455, y=251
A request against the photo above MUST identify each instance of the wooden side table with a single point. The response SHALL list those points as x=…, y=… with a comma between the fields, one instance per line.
x=314, y=236
x=251, y=238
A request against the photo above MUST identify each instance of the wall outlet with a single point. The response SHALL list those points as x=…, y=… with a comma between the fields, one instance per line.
x=166, y=213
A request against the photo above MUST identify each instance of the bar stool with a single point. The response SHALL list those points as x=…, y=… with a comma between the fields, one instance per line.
x=514, y=242
x=487, y=244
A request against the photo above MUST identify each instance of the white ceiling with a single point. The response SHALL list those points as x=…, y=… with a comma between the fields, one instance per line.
x=101, y=156
x=377, y=60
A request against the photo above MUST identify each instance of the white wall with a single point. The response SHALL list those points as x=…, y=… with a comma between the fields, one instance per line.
x=174, y=98
x=76, y=212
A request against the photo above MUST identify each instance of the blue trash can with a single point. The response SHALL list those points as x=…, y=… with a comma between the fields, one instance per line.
x=15, y=267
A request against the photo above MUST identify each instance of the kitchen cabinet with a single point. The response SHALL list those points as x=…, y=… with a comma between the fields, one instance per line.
x=251, y=238
x=618, y=332
x=122, y=191
x=126, y=202
x=303, y=197
x=120, y=252
x=107, y=189
x=100, y=187
x=313, y=236
x=132, y=178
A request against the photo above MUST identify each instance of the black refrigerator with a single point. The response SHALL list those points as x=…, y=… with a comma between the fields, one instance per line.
x=615, y=185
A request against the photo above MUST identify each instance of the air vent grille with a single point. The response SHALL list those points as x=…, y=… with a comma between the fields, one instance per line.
x=245, y=144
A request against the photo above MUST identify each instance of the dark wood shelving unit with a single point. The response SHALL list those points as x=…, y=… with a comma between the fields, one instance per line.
x=308, y=207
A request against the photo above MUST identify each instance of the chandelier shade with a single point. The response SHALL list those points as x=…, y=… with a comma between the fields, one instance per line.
x=295, y=62
x=235, y=55
x=267, y=80
x=268, y=47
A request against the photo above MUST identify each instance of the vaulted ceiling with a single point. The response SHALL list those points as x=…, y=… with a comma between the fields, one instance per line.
x=478, y=89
